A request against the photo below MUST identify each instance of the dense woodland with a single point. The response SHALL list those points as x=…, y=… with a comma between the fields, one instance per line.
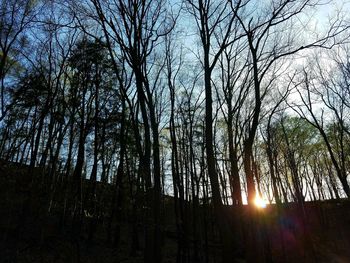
x=128, y=111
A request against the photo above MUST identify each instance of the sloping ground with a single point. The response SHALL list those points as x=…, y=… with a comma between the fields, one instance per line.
x=321, y=235
x=28, y=233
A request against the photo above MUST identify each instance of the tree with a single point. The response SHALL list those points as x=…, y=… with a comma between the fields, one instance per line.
x=264, y=35
x=16, y=17
x=307, y=111
x=136, y=30
x=214, y=22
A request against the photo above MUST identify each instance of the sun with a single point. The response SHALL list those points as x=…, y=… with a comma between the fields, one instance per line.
x=259, y=202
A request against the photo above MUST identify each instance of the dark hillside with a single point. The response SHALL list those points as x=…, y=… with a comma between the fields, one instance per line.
x=32, y=228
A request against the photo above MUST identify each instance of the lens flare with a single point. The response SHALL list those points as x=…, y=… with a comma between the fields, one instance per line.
x=259, y=202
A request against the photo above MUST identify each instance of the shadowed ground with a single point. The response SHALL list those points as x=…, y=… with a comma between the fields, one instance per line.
x=323, y=236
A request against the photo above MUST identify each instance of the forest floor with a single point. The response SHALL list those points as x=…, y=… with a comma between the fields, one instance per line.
x=321, y=235
x=34, y=235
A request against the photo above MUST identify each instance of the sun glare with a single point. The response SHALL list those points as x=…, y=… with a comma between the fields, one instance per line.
x=259, y=202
